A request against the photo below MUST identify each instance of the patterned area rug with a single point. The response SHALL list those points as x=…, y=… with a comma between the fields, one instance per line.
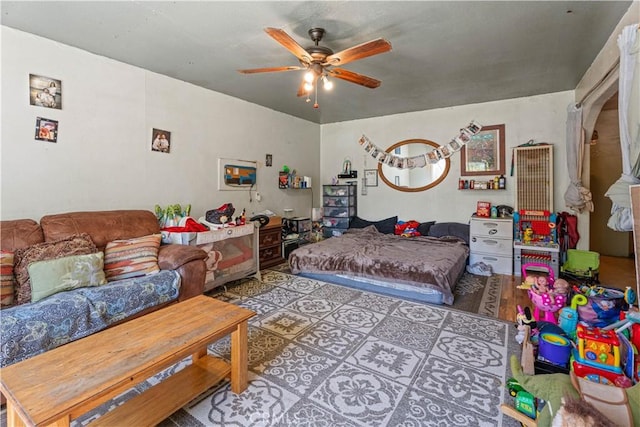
x=326, y=355
x=478, y=294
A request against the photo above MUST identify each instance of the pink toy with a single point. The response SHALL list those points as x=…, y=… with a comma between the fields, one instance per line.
x=543, y=295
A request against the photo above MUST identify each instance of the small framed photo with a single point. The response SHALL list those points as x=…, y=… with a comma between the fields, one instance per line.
x=46, y=130
x=370, y=177
x=268, y=160
x=45, y=92
x=160, y=140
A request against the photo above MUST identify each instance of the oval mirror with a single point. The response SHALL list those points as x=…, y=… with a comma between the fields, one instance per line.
x=417, y=179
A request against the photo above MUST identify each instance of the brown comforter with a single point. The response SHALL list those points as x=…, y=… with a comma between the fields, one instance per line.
x=423, y=262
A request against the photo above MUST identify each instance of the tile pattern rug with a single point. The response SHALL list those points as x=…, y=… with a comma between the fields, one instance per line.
x=326, y=355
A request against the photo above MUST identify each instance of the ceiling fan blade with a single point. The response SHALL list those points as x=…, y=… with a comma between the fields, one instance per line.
x=352, y=77
x=301, y=90
x=270, y=69
x=370, y=48
x=289, y=43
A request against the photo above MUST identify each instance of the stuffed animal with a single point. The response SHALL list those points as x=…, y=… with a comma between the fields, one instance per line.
x=578, y=413
x=553, y=387
x=550, y=387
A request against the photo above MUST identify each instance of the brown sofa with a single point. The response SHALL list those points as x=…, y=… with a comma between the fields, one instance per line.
x=106, y=226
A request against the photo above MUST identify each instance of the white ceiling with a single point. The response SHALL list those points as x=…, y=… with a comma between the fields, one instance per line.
x=444, y=53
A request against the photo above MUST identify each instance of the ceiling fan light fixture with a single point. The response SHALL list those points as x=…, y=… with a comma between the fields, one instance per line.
x=308, y=86
x=327, y=84
x=309, y=76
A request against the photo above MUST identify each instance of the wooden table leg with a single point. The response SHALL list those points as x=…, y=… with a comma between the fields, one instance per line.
x=199, y=354
x=13, y=419
x=239, y=359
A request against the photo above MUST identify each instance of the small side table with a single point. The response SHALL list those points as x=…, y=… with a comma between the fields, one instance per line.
x=270, y=243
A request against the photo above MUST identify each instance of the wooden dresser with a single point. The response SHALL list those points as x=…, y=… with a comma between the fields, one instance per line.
x=270, y=243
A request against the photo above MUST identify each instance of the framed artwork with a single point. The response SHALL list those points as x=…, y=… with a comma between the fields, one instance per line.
x=46, y=130
x=160, y=140
x=370, y=177
x=236, y=174
x=268, y=162
x=483, y=154
x=45, y=92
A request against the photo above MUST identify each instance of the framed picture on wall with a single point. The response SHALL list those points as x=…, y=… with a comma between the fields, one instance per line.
x=46, y=130
x=235, y=174
x=45, y=92
x=484, y=153
x=371, y=177
x=160, y=140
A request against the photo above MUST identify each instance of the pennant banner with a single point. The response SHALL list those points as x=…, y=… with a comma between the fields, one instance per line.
x=433, y=156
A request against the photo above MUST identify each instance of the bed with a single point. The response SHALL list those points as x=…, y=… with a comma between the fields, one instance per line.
x=422, y=268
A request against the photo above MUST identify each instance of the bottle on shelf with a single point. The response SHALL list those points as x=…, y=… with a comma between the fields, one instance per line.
x=502, y=182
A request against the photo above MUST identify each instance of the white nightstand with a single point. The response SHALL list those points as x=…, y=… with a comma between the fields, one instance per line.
x=491, y=242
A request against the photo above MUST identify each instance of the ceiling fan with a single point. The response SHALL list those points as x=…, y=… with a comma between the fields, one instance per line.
x=320, y=61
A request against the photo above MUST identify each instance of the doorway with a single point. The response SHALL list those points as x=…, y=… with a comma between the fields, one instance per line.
x=605, y=168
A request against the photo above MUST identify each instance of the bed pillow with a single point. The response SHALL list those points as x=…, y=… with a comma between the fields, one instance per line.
x=424, y=227
x=64, y=274
x=456, y=229
x=7, y=281
x=79, y=244
x=385, y=226
x=124, y=259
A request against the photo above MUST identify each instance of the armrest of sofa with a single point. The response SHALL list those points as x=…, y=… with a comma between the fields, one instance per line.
x=172, y=257
x=188, y=261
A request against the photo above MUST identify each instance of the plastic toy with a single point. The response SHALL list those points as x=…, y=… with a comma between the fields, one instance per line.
x=542, y=294
x=554, y=348
x=525, y=402
x=598, y=355
x=568, y=318
x=524, y=318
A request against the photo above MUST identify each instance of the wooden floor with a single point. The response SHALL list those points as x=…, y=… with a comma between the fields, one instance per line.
x=615, y=272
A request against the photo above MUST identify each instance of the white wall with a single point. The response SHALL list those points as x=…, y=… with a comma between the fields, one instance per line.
x=103, y=157
x=541, y=118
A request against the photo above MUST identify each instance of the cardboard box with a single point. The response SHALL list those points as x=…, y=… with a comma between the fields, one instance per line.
x=484, y=209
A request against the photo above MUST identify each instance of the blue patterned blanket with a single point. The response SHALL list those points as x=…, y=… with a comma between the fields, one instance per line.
x=30, y=329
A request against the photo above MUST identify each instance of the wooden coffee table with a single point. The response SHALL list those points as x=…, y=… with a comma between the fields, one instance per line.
x=64, y=383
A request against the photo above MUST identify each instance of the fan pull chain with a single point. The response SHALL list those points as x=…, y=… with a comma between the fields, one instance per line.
x=315, y=104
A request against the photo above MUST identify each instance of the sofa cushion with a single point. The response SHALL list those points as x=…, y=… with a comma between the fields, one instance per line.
x=64, y=274
x=80, y=244
x=102, y=226
x=31, y=329
x=7, y=281
x=19, y=233
x=124, y=259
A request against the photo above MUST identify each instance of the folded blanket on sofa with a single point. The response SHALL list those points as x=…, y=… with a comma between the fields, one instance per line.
x=30, y=329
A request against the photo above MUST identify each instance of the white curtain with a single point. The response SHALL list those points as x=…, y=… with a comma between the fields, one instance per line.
x=577, y=197
x=621, y=219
